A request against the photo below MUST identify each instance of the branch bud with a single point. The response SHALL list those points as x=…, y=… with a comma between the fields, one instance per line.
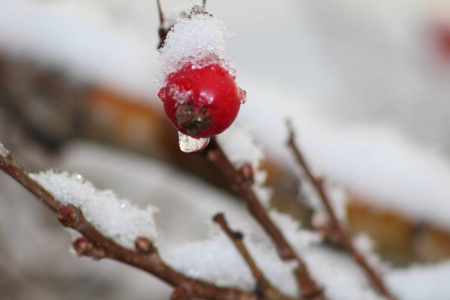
x=219, y=218
x=246, y=174
x=179, y=294
x=83, y=246
x=237, y=235
x=144, y=245
x=68, y=215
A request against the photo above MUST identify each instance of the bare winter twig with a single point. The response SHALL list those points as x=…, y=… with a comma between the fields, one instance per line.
x=338, y=234
x=160, y=12
x=162, y=30
x=243, y=186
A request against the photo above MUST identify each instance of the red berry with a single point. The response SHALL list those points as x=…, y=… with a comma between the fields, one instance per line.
x=442, y=39
x=201, y=102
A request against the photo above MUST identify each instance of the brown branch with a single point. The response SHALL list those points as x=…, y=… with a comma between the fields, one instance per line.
x=264, y=287
x=160, y=13
x=242, y=184
x=163, y=29
x=338, y=234
x=96, y=245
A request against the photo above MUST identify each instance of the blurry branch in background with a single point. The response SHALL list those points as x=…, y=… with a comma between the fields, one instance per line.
x=263, y=285
x=335, y=232
x=160, y=12
x=96, y=245
x=241, y=181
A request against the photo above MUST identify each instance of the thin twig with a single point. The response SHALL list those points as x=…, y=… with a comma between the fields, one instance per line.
x=339, y=235
x=96, y=245
x=163, y=29
x=243, y=186
x=160, y=13
x=268, y=291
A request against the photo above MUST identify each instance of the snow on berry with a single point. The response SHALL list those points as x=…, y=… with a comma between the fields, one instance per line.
x=198, y=88
x=197, y=38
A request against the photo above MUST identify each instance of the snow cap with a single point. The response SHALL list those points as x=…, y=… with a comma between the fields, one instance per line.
x=197, y=38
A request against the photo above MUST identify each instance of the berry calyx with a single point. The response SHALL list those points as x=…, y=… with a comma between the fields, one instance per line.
x=201, y=101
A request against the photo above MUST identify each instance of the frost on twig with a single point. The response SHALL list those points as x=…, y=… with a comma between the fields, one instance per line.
x=336, y=232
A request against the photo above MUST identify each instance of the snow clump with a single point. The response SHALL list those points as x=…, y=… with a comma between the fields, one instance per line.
x=116, y=218
x=197, y=38
x=3, y=151
x=216, y=260
x=240, y=147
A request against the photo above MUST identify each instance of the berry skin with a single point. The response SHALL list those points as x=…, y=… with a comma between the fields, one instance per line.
x=442, y=39
x=201, y=102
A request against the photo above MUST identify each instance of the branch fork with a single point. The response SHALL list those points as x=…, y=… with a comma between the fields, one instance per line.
x=263, y=286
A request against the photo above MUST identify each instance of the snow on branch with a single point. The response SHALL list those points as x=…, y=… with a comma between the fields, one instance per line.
x=217, y=261
x=263, y=285
x=3, y=151
x=214, y=269
x=96, y=245
x=116, y=218
x=240, y=147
